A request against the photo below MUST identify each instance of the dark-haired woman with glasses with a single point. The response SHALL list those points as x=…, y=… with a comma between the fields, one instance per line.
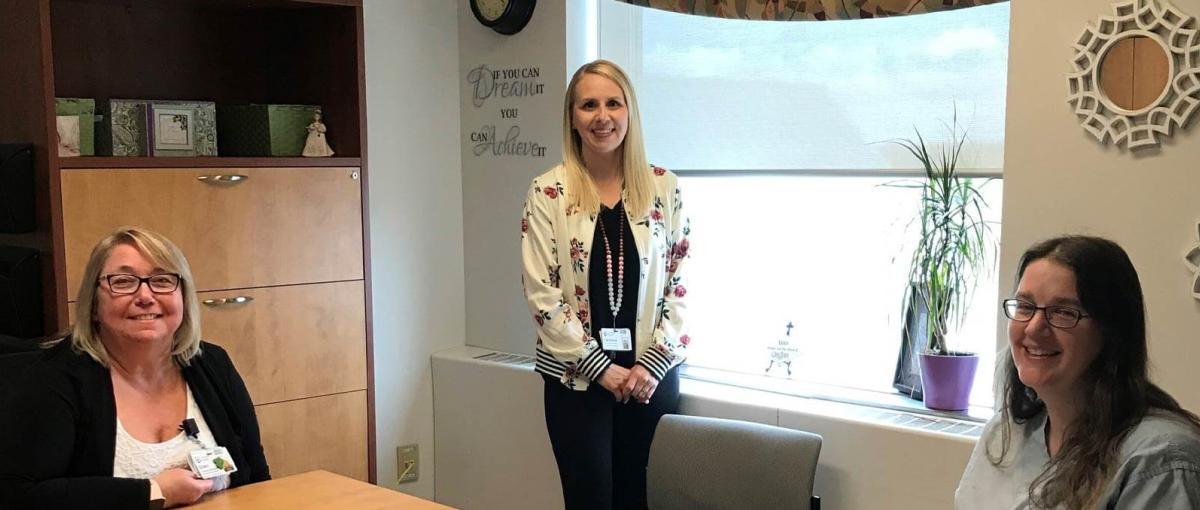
x=97, y=421
x=1080, y=425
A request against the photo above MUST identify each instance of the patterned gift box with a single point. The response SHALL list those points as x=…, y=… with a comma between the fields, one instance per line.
x=264, y=130
x=183, y=128
x=85, y=109
x=121, y=130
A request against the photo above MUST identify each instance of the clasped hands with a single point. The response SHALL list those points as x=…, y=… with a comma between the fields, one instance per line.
x=629, y=383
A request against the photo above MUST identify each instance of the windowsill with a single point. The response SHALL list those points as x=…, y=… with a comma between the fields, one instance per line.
x=743, y=389
x=826, y=393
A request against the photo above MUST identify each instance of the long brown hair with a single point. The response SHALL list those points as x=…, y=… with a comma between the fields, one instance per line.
x=1119, y=393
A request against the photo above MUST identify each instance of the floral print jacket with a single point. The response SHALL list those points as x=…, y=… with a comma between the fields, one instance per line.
x=555, y=247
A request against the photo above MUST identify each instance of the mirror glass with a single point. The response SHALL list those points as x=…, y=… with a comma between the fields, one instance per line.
x=1133, y=73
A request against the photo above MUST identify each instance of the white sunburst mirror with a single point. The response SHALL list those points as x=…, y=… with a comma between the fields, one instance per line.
x=1191, y=258
x=1136, y=75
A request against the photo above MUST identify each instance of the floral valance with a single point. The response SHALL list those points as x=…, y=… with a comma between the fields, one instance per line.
x=806, y=10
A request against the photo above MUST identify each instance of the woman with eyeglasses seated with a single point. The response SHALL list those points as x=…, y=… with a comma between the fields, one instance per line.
x=97, y=422
x=1080, y=425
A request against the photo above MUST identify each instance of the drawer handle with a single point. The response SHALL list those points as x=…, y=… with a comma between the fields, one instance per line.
x=237, y=300
x=222, y=179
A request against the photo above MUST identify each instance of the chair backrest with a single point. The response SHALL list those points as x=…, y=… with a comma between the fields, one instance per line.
x=13, y=345
x=709, y=463
x=16, y=354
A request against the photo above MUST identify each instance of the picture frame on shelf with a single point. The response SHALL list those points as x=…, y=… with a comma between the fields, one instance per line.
x=68, y=135
x=84, y=111
x=174, y=130
x=122, y=130
x=183, y=128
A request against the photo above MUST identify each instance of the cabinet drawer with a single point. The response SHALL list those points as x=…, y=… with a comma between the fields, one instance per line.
x=327, y=433
x=270, y=226
x=291, y=342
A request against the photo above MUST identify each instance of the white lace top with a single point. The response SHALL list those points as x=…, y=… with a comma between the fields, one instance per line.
x=135, y=459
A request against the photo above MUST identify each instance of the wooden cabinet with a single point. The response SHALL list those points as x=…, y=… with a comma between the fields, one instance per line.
x=289, y=233
x=291, y=342
x=239, y=227
x=316, y=433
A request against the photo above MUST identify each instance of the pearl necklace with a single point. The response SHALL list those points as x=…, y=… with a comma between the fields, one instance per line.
x=614, y=304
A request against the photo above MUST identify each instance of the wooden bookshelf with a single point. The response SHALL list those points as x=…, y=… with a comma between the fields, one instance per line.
x=203, y=162
x=225, y=51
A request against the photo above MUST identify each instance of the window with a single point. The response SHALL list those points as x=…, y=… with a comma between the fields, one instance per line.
x=779, y=132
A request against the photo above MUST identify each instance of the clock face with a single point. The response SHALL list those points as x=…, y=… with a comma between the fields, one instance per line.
x=504, y=16
x=491, y=10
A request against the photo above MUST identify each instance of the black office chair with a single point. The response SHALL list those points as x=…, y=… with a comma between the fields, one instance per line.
x=13, y=345
x=710, y=463
x=15, y=355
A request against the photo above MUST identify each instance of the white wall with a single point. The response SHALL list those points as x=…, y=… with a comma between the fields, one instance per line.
x=1058, y=178
x=415, y=193
x=494, y=185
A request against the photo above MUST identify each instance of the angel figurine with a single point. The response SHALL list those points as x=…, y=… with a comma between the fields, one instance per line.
x=316, y=146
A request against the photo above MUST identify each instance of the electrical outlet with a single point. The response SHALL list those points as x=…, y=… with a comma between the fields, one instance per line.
x=406, y=463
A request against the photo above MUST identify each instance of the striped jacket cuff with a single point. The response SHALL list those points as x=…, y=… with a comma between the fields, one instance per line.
x=594, y=364
x=655, y=362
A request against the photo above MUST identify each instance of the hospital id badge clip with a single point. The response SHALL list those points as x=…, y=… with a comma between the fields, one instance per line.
x=616, y=339
x=206, y=463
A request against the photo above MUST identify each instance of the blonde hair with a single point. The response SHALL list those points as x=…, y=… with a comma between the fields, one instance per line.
x=160, y=251
x=639, y=184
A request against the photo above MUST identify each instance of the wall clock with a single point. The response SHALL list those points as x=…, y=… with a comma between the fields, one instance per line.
x=504, y=16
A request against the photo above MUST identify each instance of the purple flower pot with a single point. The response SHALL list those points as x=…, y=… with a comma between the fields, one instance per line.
x=947, y=380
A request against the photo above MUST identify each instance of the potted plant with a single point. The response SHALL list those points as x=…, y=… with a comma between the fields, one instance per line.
x=954, y=247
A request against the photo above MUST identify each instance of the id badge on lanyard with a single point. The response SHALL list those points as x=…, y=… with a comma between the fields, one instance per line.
x=206, y=463
x=616, y=339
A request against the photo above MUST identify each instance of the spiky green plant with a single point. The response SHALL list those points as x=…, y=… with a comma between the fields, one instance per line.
x=955, y=245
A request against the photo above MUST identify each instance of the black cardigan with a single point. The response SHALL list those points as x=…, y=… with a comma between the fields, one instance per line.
x=58, y=429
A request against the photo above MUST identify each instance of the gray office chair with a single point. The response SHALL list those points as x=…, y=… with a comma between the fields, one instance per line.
x=708, y=463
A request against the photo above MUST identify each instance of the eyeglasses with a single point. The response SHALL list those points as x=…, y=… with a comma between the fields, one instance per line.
x=1062, y=317
x=122, y=284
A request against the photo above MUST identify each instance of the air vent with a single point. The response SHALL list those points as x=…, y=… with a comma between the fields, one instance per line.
x=506, y=358
x=930, y=423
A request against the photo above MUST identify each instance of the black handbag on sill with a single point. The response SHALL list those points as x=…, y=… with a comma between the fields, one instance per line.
x=16, y=188
x=20, y=292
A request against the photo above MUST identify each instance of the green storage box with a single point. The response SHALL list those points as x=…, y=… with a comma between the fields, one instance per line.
x=121, y=130
x=263, y=129
x=85, y=109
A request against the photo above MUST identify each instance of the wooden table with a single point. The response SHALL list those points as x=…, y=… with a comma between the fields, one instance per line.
x=314, y=490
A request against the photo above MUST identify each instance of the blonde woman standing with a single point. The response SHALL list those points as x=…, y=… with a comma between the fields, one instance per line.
x=604, y=246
